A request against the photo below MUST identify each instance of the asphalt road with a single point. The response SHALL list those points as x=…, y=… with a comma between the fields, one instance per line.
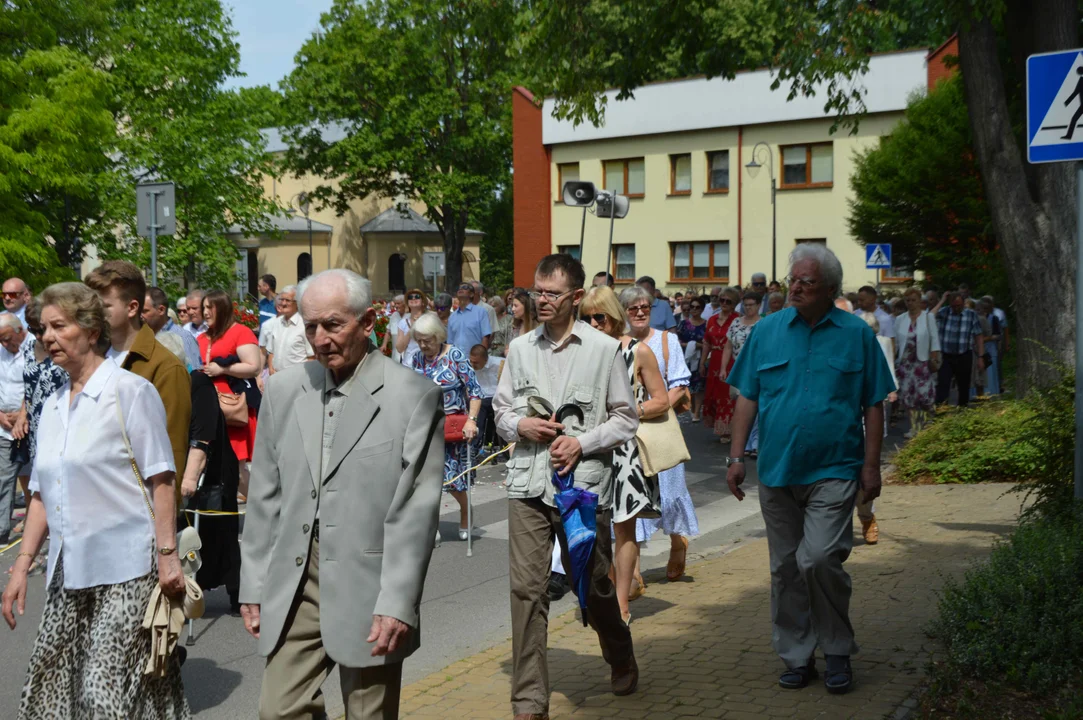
x=465, y=607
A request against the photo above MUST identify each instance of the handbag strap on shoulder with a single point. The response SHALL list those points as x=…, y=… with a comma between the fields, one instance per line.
x=665, y=356
x=131, y=454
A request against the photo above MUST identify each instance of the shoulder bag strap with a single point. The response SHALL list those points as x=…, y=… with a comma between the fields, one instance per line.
x=665, y=356
x=131, y=455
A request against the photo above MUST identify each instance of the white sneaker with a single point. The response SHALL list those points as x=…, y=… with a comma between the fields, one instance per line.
x=437, y=544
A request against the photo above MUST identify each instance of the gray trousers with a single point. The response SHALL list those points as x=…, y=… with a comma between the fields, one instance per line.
x=9, y=474
x=810, y=534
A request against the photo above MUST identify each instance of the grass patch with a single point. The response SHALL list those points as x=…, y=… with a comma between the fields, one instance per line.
x=981, y=444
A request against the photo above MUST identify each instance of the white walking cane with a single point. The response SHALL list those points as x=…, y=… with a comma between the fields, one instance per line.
x=469, y=500
x=192, y=623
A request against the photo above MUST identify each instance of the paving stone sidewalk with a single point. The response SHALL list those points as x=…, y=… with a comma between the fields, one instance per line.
x=704, y=644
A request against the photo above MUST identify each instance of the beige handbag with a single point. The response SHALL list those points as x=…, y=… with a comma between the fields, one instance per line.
x=234, y=408
x=660, y=441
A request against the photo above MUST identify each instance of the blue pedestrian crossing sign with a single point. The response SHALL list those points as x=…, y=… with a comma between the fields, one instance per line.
x=1055, y=107
x=878, y=257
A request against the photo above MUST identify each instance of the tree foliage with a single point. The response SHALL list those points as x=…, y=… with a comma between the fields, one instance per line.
x=921, y=191
x=100, y=94
x=421, y=89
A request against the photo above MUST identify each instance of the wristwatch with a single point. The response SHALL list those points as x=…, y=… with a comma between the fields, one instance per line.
x=734, y=460
x=167, y=550
x=472, y=418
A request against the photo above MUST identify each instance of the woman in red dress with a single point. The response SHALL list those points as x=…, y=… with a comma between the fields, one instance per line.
x=225, y=338
x=717, y=404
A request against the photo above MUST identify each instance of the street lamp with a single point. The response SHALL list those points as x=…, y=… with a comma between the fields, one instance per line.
x=753, y=165
x=303, y=203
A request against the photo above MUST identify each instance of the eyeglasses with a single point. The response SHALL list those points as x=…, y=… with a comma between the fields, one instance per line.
x=596, y=317
x=758, y=284
x=13, y=295
x=442, y=308
x=639, y=310
x=413, y=296
x=695, y=307
x=468, y=288
x=805, y=282
x=547, y=296
x=725, y=301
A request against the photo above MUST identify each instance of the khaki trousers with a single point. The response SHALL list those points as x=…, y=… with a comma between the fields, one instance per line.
x=810, y=533
x=297, y=669
x=531, y=527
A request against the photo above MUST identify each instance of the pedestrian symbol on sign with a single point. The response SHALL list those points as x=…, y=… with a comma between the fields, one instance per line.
x=878, y=256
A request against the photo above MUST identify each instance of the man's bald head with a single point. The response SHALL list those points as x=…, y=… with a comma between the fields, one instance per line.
x=16, y=294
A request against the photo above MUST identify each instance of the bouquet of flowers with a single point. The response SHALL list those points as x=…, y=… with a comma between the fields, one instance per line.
x=246, y=317
x=382, y=321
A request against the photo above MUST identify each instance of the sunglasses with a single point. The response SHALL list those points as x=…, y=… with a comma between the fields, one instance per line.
x=759, y=284
x=695, y=307
x=725, y=301
x=639, y=310
x=13, y=295
x=413, y=296
x=441, y=308
x=599, y=318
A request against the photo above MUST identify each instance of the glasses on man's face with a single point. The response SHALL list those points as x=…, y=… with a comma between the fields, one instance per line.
x=13, y=295
x=442, y=308
x=413, y=296
x=598, y=318
x=549, y=297
x=639, y=310
x=759, y=283
x=805, y=282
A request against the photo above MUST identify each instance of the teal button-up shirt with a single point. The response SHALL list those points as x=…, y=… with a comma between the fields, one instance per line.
x=813, y=385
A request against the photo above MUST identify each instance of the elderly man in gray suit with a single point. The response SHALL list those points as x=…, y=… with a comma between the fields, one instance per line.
x=346, y=478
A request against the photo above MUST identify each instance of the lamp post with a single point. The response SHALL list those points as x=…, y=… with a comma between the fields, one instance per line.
x=752, y=166
x=303, y=204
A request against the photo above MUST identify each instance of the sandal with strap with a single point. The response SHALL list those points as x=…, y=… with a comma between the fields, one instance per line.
x=799, y=677
x=839, y=675
x=677, y=558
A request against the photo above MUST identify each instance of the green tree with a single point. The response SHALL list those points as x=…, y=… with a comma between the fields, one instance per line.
x=494, y=217
x=577, y=48
x=421, y=89
x=921, y=191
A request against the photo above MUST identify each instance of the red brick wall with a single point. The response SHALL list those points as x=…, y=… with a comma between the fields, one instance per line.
x=531, y=186
x=943, y=62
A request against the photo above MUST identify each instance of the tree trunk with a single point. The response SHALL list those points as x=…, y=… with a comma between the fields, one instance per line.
x=1035, y=223
x=454, y=242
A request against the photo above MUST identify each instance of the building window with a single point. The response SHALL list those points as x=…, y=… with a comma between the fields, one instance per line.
x=807, y=165
x=819, y=241
x=626, y=177
x=699, y=261
x=897, y=275
x=624, y=263
x=304, y=266
x=680, y=174
x=566, y=172
x=572, y=250
x=718, y=171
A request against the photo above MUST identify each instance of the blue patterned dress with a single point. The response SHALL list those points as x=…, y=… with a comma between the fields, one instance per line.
x=452, y=371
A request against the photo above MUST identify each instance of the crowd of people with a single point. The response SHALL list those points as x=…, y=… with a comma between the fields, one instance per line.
x=122, y=415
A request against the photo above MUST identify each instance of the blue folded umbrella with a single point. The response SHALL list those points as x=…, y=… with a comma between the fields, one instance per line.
x=578, y=515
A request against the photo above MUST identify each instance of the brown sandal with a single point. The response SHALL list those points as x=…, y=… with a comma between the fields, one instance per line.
x=677, y=557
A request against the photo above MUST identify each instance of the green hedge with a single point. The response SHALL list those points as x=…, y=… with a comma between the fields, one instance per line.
x=981, y=444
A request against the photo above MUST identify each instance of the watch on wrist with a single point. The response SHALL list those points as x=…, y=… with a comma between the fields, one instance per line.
x=472, y=418
x=166, y=550
x=734, y=461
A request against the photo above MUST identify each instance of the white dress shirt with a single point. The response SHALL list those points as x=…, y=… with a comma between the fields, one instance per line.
x=196, y=331
x=96, y=512
x=287, y=342
x=12, y=389
x=489, y=375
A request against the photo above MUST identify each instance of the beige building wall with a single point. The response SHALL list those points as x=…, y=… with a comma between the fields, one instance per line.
x=659, y=218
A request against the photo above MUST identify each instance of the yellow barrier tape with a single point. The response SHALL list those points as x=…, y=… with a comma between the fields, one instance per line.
x=9, y=546
x=487, y=460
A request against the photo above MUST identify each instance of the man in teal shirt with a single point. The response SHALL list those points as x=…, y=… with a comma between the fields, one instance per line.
x=817, y=379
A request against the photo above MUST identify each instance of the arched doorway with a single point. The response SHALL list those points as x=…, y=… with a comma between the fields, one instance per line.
x=304, y=266
x=396, y=273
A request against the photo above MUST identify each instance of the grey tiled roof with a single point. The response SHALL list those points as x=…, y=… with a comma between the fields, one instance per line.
x=290, y=224
x=393, y=221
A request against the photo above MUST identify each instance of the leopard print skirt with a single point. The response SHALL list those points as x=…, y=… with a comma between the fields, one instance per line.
x=89, y=657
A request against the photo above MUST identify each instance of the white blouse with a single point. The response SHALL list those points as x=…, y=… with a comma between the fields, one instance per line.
x=96, y=512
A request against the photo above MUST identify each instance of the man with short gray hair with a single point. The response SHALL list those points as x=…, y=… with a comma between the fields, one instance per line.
x=286, y=342
x=13, y=341
x=814, y=375
x=333, y=569
x=194, y=302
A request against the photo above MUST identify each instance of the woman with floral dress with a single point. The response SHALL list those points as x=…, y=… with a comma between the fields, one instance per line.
x=917, y=358
x=691, y=330
x=736, y=338
x=447, y=366
x=718, y=405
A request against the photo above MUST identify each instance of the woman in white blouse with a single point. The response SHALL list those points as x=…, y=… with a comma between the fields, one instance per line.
x=107, y=552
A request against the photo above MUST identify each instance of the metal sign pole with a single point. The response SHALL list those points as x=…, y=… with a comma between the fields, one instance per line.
x=582, y=233
x=1078, y=331
x=612, y=219
x=153, y=237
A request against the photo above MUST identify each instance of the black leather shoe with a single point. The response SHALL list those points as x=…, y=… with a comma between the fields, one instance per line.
x=839, y=675
x=798, y=677
x=558, y=586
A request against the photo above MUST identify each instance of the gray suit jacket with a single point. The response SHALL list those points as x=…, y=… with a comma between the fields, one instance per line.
x=379, y=501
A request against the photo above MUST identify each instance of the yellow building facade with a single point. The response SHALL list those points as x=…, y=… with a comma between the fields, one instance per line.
x=698, y=216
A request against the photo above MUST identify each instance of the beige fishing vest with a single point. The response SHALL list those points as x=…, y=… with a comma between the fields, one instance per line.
x=587, y=385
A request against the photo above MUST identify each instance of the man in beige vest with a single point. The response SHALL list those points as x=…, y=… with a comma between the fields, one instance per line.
x=342, y=509
x=563, y=361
